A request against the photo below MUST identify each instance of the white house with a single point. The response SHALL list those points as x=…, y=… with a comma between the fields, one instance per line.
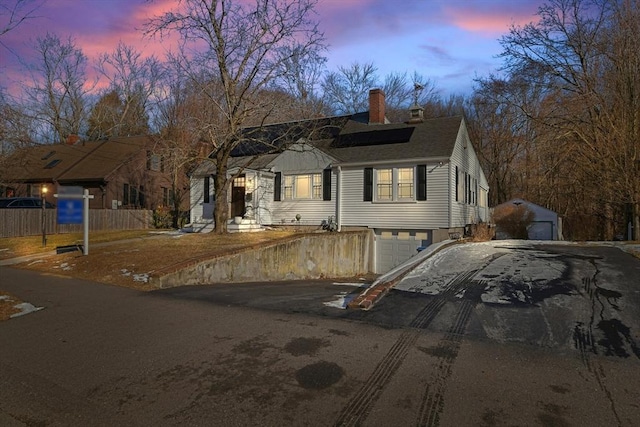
x=411, y=183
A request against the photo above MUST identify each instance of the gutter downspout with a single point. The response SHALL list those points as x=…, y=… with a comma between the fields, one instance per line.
x=339, y=198
x=450, y=198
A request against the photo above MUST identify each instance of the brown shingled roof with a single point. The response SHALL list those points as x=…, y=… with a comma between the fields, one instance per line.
x=89, y=161
x=106, y=157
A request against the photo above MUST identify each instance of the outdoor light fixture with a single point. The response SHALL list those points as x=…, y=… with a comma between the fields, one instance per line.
x=43, y=193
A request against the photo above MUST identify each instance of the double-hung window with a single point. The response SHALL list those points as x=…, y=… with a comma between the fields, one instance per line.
x=313, y=186
x=405, y=184
x=304, y=186
x=395, y=184
x=384, y=184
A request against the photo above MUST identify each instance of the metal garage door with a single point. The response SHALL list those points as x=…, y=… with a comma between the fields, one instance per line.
x=394, y=248
x=541, y=230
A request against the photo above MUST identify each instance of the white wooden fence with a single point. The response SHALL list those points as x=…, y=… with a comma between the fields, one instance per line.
x=28, y=222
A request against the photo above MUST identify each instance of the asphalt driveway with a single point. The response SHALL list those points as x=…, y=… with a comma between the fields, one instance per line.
x=469, y=338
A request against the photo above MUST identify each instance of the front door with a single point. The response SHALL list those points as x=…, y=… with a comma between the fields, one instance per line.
x=237, y=196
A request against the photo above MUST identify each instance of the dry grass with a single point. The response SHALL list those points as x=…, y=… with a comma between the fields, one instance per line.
x=127, y=263
x=482, y=233
x=7, y=305
x=12, y=247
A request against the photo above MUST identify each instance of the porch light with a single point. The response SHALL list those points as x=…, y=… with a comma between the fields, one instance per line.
x=43, y=193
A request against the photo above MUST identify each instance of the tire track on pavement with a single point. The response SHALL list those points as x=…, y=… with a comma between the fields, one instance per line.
x=359, y=406
x=432, y=403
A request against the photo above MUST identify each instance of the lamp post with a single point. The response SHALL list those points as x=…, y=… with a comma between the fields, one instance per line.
x=43, y=193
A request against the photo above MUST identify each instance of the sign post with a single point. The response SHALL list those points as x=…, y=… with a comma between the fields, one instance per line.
x=73, y=208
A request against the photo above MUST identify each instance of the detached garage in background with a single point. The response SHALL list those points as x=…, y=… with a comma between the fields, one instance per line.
x=546, y=224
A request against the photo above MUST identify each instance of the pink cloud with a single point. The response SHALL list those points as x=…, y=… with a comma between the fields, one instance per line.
x=493, y=19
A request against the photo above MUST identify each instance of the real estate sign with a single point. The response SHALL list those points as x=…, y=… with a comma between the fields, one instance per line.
x=70, y=205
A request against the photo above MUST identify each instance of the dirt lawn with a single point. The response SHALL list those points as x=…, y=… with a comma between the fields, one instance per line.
x=130, y=262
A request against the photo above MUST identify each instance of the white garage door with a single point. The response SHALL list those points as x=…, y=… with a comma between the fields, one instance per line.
x=394, y=248
x=541, y=230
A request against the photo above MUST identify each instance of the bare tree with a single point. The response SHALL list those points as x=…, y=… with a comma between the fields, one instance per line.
x=402, y=92
x=237, y=47
x=300, y=76
x=58, y=92
x=112, y=117
x=588, y=54
x=346, y=91
x=15, y=12
x=134, y=80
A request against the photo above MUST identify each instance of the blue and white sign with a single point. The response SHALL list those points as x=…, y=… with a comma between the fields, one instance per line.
x=70, y=203
x=70, y=211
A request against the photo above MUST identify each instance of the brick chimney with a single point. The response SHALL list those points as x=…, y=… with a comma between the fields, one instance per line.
x=376, y=107
x=72, y=139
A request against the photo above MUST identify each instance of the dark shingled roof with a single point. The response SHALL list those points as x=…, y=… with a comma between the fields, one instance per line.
x=275, y=137
x=357, y=142
x=348, y=139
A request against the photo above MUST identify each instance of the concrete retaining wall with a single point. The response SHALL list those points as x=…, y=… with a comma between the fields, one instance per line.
x=308, y=257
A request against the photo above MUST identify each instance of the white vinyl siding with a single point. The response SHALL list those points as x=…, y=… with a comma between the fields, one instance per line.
x=467, y=207
x=312, y=211
x=305, y=160
x=411, y=214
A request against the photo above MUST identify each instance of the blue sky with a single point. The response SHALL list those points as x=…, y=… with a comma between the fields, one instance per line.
x=449, y=41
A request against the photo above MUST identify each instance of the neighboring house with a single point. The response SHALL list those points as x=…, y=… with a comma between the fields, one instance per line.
x=546, y=225
x=121, y=173
x=411, y=183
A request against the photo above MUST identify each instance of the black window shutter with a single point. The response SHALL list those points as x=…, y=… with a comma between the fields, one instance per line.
x=326, y=184
x=207, y=190
x=277, y=187
x=368, y=184
x=422, y=182
x=457, y=185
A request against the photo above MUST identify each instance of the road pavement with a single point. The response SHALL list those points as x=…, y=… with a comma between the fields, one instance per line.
x=466, y=339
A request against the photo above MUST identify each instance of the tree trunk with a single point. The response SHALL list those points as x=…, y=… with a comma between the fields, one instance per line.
x=221, y=210
x=609, y=228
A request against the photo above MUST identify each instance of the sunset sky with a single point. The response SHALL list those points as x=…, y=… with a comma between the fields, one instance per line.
x=449, y=41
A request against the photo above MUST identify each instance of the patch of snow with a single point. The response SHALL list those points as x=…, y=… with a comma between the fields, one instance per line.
x=516, y=269
x=341, y=301
x=356, y=285
x=143, y=277
x=4, y=297
x=25, y=308
x=36, y=261
x=125, y=272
